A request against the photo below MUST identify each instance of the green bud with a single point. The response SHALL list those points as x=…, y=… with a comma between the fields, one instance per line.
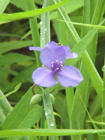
x=36, y=99
x=103, y=68
x=52, y=98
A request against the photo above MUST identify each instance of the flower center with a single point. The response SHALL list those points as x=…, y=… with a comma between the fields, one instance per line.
x=56, y=66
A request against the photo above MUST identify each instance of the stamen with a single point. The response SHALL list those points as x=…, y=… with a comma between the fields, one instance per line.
x=56, y=60
x=61, y=62
x=52, y=66
x=57, y=68
x=61, y=65
x=60, y=44
x=52, y=62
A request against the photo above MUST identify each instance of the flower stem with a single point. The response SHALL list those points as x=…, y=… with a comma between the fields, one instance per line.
x=45, y=38
x=45, y=26
x=42, y=120
x=49, y=111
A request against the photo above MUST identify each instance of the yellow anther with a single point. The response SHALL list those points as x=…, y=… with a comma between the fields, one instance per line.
x=60, y=44
x=61, y=62
x=52, y=66
x=61, y=65
x=52, y=62
x=56, y=60
x=57, y=68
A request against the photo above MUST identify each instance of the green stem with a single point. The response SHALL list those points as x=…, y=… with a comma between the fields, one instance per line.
x=42, y=120
x=45, y=26
x=45, y=38
x=49, y=111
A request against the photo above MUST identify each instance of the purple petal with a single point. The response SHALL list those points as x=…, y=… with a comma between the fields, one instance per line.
x=67, y=51
x=69, y=76
x=75, y=55
x=48, y=56
x=35, y=48
x=66, y=48
x=43, y=77
x=69, y=54
x=52, y=45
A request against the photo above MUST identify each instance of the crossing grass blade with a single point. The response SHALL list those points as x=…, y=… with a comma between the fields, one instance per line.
x=32, y=13
x=47, y=132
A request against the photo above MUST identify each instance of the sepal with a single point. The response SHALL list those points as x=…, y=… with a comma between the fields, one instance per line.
x=52, y=98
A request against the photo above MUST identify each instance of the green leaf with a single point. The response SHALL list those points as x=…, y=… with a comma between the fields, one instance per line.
x=15, y=89
x=61, y=108
x=3, y=5
x=19, y=3
x=103, y=95
x=34, y=30
x=10, y=58
x=3, y=79
x=80, y=48
x=83, y=44
x=70, y=7
x=4, y=104
x=7, y=71
x=86, y=58
x=23, y=115
x=7, y=46
x=23, y=76
x=2, y=116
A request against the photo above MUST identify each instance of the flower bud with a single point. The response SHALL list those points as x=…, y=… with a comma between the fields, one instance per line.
x=52, y=98
x=103, y=68
x=36, y=99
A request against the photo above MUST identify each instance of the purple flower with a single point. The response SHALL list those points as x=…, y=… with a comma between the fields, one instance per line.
x=51, y=45
x=53, y=58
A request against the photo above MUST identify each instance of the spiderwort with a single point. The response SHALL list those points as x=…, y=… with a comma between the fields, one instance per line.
x=53, y=58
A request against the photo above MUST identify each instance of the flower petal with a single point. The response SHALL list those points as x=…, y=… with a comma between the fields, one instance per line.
x=75, y=55
x=48, y=56
x=52, y=45
x=43, y=77
x=35, y=48
x=69, y=54
x=69, y=76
